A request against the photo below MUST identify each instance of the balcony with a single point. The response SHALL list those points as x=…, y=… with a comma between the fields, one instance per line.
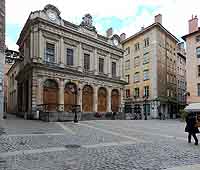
x=103, y=74
x=50, y=64
x=116, y=77
x=87, y=71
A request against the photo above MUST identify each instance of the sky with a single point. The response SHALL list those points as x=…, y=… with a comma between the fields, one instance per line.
x=124, y=16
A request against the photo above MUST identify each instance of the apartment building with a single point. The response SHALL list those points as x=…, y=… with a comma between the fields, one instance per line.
x=192, y=40
x=181, y=76
x=150, y=70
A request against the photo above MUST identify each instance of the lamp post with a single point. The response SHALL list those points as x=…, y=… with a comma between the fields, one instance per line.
x=145, y=112
x=74, y=91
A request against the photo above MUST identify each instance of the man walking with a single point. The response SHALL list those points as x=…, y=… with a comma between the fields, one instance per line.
x=191, y=127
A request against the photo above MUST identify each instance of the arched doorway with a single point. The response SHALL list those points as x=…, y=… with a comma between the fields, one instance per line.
x=102, y=99
x=50, y=95
x=70, y=98
x=87, y=99
x=115, y=100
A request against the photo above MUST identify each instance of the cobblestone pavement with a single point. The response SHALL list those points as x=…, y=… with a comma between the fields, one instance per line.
x=95, y=145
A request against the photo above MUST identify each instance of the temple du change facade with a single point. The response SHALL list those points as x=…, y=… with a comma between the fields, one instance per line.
x=66, y=64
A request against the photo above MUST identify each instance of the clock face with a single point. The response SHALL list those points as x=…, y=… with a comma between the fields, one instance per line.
x=115, y=42
x=52, y=16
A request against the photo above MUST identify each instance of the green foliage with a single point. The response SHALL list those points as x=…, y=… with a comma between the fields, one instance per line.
x=183, y=114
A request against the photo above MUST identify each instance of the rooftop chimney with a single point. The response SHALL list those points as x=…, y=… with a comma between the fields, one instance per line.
x=158, y=19
x=122, y=37
x=193, y=24
x=109, y=32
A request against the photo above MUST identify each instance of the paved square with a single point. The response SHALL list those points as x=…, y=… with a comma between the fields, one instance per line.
x=96, y=145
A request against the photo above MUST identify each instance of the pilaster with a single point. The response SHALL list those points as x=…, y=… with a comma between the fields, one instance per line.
x=109, y=65
x=95, y=62
x=62, y=53
x=79, y=100
x=109, y=100
x=80, y=58
x=61, y=95
x=95, y=101
x=40, y=47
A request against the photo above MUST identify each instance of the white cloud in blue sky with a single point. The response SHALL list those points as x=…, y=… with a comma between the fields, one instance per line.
x=124, y=16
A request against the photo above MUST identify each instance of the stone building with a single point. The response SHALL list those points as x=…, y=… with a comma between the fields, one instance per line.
x=2, y=50
x=66, y=64
x=10, y=84
x=150, y=70
x=192, y=40
x=181, y=76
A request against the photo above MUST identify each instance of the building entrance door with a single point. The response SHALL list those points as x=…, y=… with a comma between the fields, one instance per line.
x=115, y=100
x=102, y=100
x=87, y=99
x=50, y=95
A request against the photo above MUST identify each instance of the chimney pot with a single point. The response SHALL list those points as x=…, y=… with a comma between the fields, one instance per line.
x=109, y=32
x=122, y=37
x=158, y=19
x=193, y=24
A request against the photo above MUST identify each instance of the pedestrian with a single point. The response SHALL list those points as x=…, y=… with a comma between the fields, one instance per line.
x=114, y=115
x=160, y=115
x=191, y=127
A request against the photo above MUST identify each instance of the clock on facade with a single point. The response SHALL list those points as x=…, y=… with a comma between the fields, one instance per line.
x=115, y=42
x=52, y=16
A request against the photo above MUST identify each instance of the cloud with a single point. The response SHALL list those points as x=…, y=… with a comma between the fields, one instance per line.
x=124, y=16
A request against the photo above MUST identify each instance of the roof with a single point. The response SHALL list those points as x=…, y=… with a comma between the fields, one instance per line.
x=193, y=107
x=190, y=34
x=147, y=29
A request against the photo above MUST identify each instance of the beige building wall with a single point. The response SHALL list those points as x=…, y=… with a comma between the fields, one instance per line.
x=6, y=68
x=192, y=68
x=193, y=62
x=161, y=66
x=12, y=88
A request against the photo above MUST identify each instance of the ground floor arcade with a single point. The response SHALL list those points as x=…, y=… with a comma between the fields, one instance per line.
x=60, y=92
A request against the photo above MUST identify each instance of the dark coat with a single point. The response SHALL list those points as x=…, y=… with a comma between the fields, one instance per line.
x=190, y=124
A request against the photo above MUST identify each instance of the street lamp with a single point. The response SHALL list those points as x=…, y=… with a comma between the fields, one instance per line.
x=74, y=91
x=145, y=97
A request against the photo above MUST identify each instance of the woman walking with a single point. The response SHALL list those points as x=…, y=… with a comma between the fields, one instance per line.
x=191, y=127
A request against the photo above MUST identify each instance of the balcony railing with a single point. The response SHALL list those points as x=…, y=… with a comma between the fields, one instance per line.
x=51, y=64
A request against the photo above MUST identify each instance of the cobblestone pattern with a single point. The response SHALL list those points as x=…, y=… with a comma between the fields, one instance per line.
x=146, y=156
x=159, y=151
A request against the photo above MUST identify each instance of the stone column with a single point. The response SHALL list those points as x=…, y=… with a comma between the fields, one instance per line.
x=95, y=62
x=62, y=53
x=40, y=47
x=109, y=66
x=95, y=97
x=79, y=100
x=31, y=45
x=80, y=58
x=109, y=100
x=40, y=92
x=121, y=99
x=61, y=96
x=121, y=69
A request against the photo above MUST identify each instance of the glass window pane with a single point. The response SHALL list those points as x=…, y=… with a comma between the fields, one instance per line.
x=114, y=69
x=198, y=52
x=86, y=61
x=70, y=56
x=50, y=52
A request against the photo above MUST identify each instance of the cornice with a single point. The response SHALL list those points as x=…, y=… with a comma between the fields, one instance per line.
x=75, y=73
x=63, y=31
